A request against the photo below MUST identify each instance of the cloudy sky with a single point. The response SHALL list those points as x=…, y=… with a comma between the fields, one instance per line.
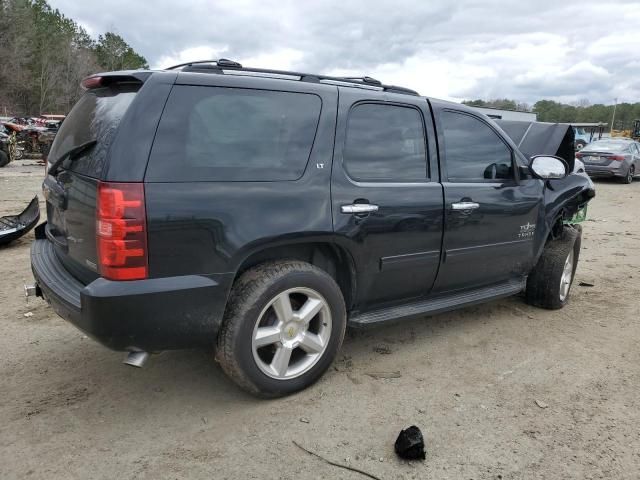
x=558, y=49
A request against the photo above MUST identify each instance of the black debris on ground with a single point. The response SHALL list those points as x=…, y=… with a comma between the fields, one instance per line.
x=410, y=444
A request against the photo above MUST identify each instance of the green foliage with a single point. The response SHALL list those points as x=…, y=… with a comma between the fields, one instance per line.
x=502, y=103
x=114, y=53
x=44, y=56
x=550, y=111
x=581, y=112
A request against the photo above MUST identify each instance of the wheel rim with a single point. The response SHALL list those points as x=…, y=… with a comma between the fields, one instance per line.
x=630, y=174
x=565, y=280
x=291, y=333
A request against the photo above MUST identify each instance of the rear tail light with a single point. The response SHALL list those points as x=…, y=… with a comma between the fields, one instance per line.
x=617, y=158
x=121, y=231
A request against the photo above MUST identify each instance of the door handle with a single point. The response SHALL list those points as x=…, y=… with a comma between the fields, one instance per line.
x=359, y=208
x=465, y=206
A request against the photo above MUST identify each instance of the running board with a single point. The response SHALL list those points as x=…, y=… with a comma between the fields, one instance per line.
x=439, y=304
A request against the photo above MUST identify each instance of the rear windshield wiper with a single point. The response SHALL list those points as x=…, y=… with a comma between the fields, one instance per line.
x=71, y=154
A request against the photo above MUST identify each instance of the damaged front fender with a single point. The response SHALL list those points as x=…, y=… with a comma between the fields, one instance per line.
x=564, y=199
x=566, y=196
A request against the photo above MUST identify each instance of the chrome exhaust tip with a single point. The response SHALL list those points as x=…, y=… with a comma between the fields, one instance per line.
x=136, y=359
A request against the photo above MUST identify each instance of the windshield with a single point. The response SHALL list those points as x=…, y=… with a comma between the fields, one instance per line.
x=96, y=116
x=606, y=146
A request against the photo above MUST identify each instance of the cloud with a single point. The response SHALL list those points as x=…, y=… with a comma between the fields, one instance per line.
x=455, y=50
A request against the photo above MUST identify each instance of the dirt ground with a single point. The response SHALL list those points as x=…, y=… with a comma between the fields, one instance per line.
x=502, y=390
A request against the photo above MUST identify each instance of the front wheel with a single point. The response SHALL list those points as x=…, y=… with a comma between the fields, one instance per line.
x=550, y=281
x=283, y=327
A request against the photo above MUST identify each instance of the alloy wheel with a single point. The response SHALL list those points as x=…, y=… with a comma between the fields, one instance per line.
x=291, y=333
x=567, y=274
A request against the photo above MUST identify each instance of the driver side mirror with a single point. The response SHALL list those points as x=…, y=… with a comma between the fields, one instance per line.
x=547, y=167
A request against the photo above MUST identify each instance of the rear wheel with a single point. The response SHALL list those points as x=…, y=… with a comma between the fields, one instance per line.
x=283, y=327
x=630, y=174
x=550, y=281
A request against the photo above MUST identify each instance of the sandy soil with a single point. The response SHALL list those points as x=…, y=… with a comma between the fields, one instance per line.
x=470, y=380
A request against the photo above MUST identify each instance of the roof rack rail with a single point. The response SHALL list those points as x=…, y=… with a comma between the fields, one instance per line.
x=365, y=79
x=219, y=67
x=222, y=62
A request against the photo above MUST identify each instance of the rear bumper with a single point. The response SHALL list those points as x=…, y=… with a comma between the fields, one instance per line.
x=605, y=171
x=150, y=315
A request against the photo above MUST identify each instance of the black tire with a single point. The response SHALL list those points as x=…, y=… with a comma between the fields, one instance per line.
x=628, y=178
x=544, y=281
x=4, y=159
x=251, y=293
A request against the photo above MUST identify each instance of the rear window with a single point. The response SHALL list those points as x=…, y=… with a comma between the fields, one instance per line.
x=607, y=147
x=96, y=116
x=232, y=134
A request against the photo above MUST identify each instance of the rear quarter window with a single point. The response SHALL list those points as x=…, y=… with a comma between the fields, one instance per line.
x=96, y=116
x=233, y=134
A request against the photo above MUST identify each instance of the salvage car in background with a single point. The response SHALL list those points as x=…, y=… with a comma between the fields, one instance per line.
x=11, y=148
x=32, y=135
x=612, y=157
x=4, y=149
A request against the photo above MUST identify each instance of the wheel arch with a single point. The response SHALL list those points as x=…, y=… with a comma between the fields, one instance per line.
x=326, y=255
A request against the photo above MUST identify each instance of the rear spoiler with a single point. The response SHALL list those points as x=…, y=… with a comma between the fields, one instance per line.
x=108, y=78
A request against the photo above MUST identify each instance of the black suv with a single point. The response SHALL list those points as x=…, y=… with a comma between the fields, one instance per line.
x=262, y=211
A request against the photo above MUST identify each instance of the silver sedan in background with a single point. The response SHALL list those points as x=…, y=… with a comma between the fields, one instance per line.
x=611, y=157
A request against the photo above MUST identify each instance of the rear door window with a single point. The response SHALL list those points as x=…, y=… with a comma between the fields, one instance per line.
x=233, y=134
x=385, y=143
x=96, y=116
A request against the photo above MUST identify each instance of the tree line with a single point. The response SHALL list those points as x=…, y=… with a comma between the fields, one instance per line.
x=44, y=56
x=581, y=112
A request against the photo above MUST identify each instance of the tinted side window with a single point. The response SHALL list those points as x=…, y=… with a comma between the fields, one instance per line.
x=385, y=142
x=233, y=134
x=473, y=151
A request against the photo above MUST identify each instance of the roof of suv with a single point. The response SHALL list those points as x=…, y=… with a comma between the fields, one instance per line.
x=229, y=67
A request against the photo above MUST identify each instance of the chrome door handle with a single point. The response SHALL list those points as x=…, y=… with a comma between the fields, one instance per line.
x=465, y=206
x=359, y=208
